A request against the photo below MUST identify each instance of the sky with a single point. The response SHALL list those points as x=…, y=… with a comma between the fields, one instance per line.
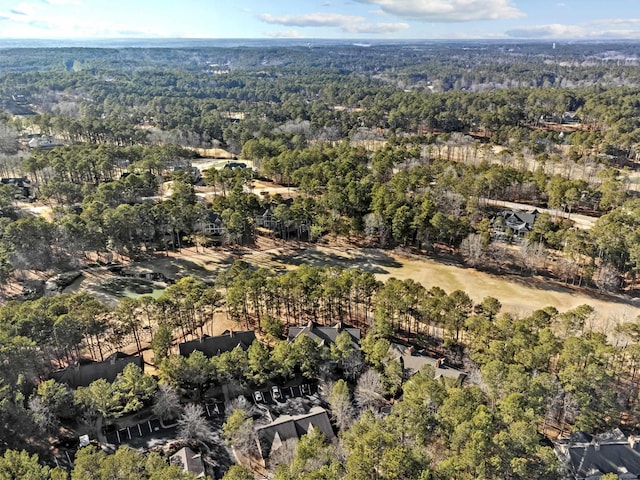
x=327, y=19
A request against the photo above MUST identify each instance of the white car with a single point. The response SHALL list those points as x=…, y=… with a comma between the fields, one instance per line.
x=276, y=393
x=258, y=397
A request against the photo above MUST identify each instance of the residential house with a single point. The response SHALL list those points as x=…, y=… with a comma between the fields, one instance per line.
x=211, y=224
x=266, y=218
x=282, y=225
x=83, y=374
x=213, y=346
x=43, y=142
x=570, y=117
x=589, y=457
x=22, y=184
x=413, y=360
x=324, y=335
x=273, y=436
x=518, y=221
x=189, y=461
x=234, y=165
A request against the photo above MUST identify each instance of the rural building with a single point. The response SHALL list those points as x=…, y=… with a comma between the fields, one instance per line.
x=189, y=461
x=266, y=218
x=324, y=335
x=23, y=186
x=83, y=374
x=43, y=142
x=234, y=165
x=213, y=346
x=589, y=457
x=274, y=436
x=413, y=360
x=210, y=225
x=518, y=221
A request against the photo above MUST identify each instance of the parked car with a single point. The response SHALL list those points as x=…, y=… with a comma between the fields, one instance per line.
x=305, y=388
x=276, y=393
x=258, y=397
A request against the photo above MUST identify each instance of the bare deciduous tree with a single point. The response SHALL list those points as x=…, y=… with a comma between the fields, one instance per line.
x=42, y=414
x=341, y=408
x=239, y=432
x=607, y=278
x=193, y=425
x=473, y=249
x=369, y=391
x=284, y=454
x=166, y=403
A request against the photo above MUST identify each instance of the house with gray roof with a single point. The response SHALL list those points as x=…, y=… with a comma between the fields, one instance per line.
x=325, y=336
x=413, y=360
x=213, y=346
x=210, y=224
x=189, y=461
x=273, y=436
x=83, y=374
x=589, y=457
x=520, y=222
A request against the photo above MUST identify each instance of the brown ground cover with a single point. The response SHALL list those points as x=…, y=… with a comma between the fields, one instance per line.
x=518, y=294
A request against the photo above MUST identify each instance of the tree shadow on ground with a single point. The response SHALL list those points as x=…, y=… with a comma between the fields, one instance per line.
x=366, y=260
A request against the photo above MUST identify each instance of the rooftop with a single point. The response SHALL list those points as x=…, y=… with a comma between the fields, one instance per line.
x=212, y=346
x=82, y=375
x=324, y=335
x=287, y=427
x=189, y=460
x=413, y=360
x=588, y=457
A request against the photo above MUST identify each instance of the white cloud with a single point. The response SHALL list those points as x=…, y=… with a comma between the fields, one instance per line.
x=376, y=27
x=346, y=23
x=25, y=21
x=284, y=34
x=63, y=2
x=448, y=10
x=310, y=20
x=23, y=9
x=555, y=30
x=617, y=21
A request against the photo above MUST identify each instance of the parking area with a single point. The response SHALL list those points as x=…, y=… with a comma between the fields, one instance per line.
x=152, y=432
x=277, y=394
x=123, y=435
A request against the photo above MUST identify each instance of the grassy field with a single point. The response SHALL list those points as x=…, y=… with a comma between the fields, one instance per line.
x=519, y=295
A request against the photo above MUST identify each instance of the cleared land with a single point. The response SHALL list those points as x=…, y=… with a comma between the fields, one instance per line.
x=519, y=295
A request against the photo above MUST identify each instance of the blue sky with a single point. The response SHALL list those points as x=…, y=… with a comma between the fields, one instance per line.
x=354, y=19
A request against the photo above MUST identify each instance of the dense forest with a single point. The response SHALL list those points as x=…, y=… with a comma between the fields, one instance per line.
x=410, y=146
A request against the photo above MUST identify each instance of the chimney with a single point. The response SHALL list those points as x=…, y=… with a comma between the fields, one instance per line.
x=411, y=350
x=596, y=444
x=230, y=333
x=439, y=362
x=632, y=441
